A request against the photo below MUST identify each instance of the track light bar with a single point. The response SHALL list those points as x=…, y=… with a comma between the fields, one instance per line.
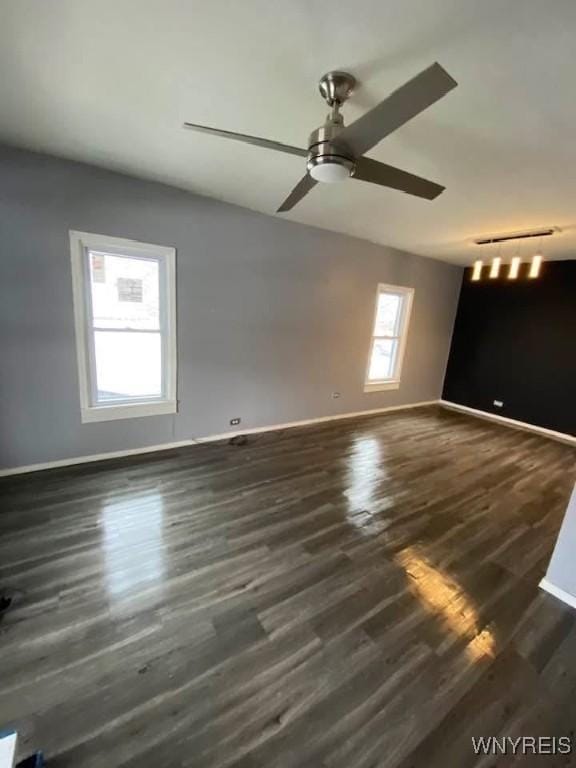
x=517, y=236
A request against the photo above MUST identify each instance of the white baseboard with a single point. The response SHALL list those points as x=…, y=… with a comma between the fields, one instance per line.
x=93, y=457
x=208, y=439
x=561, y=594
x=563, y=436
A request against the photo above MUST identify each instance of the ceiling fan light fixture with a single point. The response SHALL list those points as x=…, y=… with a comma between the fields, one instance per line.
x=330, y=170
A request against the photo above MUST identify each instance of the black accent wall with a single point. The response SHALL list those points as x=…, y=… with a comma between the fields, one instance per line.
x=515, y=341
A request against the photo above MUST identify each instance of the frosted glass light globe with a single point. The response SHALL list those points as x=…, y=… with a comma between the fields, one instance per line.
x=330, y=172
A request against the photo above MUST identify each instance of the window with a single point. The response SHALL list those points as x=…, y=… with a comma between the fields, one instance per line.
x=393, y=305
x=125, y=313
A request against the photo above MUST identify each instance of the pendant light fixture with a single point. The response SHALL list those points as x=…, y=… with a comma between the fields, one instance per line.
x=535, y=265
x=477, y=271
x=515, y=270
x=536, y=262
x=495, y=266
x=514, y=267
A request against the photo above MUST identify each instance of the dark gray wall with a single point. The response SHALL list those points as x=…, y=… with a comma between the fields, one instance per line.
x=514, y=342
x=272, y=316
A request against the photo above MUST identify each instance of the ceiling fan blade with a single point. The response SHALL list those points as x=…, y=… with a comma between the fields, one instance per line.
x=301, y=189
x=246, y=139
x=401, y=106
x=388, y=176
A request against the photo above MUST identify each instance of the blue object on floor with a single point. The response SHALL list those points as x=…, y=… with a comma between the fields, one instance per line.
x=34, y=761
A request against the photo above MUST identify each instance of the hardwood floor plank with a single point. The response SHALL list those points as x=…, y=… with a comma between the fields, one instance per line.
x=355, y=594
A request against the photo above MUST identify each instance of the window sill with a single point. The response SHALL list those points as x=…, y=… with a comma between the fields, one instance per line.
x=381, y=386
x=113, y=412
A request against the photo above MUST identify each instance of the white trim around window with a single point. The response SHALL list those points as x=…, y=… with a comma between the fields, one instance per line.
x=83, y=247
x=394, y=337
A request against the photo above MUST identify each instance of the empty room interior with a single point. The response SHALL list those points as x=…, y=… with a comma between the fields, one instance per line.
x=287, y=384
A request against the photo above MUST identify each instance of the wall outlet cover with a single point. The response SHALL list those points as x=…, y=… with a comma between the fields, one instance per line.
x=235, y=422
x=498, y=403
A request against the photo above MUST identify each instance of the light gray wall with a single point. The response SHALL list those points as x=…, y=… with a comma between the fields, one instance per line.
x=562, y=569
x=272, y=316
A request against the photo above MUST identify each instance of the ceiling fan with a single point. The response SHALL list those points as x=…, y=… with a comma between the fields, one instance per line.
x=336, y=152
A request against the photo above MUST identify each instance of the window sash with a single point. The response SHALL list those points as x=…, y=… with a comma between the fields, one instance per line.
x=398, y=339
x=98, y=403
x=96, y=328
x=83, y=244
x=382, y=338
x=92, y=329
x=394, y=338
x=397, y=327
x=87, y=252
x=394, y=356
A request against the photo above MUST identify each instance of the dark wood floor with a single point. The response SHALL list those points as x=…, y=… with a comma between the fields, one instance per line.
x=357, y=594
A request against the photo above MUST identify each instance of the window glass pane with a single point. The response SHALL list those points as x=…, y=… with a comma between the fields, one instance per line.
x=382, y=360
x=127, y=365
x=125, y=291
x=388, y=314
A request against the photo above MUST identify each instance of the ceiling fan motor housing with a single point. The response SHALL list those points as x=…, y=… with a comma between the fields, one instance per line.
x=329, y=159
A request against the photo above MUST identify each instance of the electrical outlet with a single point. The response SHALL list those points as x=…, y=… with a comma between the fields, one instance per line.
x=335, y=395
x=498, y=403
x=235, y=422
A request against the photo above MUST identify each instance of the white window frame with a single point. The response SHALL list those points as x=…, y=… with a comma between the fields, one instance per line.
x=90, y=411
x=407, y=297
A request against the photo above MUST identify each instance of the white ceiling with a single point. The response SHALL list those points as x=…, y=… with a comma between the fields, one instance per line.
x=111, y=81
